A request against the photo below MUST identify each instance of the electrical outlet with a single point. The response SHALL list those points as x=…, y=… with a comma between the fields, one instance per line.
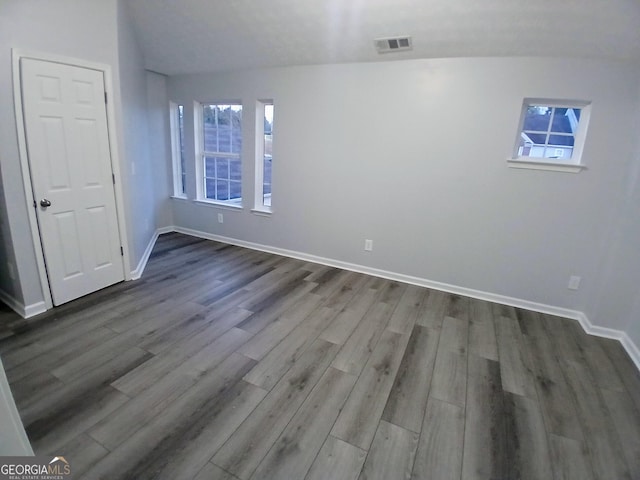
x=574, y=282
x=220, y=218
x=368, y=245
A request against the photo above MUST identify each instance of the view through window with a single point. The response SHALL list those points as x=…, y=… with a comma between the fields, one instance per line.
x=222, y=136
x=549, y=132
x=267, y=155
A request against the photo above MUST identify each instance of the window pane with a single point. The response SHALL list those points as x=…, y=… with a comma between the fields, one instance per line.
x=267, y=174
x=559, y=152
x=222, y=128
x=222, y=168
x=222, y=192
x=210, y=167
x=222, y=133
x=537, y=138
x=210, y=188
x=268, y=155
x=528, y=149
x=567, y=140
x=210, y=138
x=561, y=122
x=549, y=132
x=235, y=169
x=537, y=118
x=181, y=139
x=235, y=190
x=236, y=130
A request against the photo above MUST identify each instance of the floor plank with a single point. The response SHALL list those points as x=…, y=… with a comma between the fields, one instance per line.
x=295, y=450
x=150, y=450
x=278, y=361
x=485, y=449
x=337, y=459
x=526, y=439
x=217, y=364
x=246, y=448
x=408, y=309
x=407, y=402
x=439, y=456
x=626, y=419
x=392, y=453
x=515, y=370
x=213, y=472
x=356, y=350
x=449, y=381
x=359, y=418
x=569, y=459
x=601, y=436
x=86, y=452
x=482, y=335
x=625, y=367
x=434, y=309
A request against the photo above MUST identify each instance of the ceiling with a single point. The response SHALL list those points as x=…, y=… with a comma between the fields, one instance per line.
x=191, y=36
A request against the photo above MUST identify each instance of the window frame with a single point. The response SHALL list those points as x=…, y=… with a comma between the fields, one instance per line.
x=177, y=150
x=202, y=154
x=574, y=164
x=259, y=197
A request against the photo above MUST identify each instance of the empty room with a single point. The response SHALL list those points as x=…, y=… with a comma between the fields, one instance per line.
x=320, y=239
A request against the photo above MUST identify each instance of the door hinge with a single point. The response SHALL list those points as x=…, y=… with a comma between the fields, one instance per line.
x=113, y=177
x=122, y=251
x=105, y=97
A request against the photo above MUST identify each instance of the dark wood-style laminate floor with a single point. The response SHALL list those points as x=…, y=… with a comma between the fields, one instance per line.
x=225, y=363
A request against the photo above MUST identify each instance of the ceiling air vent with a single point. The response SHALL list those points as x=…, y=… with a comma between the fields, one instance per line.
x=396, y=44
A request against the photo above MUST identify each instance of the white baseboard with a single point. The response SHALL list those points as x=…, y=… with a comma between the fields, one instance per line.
x=631, y=348
x=137, y=273
x=620, y=335
x=34, y=309
x=22, y=310
x=588, y=327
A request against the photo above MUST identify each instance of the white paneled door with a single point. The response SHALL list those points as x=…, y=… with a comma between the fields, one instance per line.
x=70, y=163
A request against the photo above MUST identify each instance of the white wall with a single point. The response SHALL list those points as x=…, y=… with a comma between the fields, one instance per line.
x=9, y=283
x=617, y=298
x=412, y=154
x=81, y=29
x=160, y=148
x=133, y=131
x=97, y=31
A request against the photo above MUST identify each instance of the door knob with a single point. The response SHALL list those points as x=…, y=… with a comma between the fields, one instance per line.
x=45, y=203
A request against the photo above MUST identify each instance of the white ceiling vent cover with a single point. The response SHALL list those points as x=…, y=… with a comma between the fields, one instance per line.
x=395, y=44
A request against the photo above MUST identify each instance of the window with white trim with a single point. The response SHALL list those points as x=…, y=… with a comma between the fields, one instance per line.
x=176, y=122
x=551, y=132
x=264, y=154
x=221, y=142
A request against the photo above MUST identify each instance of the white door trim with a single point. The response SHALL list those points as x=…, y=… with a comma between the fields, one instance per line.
x=24, y=160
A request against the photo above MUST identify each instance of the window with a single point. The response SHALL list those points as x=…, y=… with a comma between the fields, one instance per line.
x=177, y=146
x=222, y=145
x=551, y=133
x=264, y=155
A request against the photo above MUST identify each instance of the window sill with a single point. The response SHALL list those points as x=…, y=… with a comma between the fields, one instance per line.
x=549, y=166
x=212, y=203
x=261, y=212
x=179, y=197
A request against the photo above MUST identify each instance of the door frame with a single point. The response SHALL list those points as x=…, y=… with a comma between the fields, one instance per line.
x=18, y=54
